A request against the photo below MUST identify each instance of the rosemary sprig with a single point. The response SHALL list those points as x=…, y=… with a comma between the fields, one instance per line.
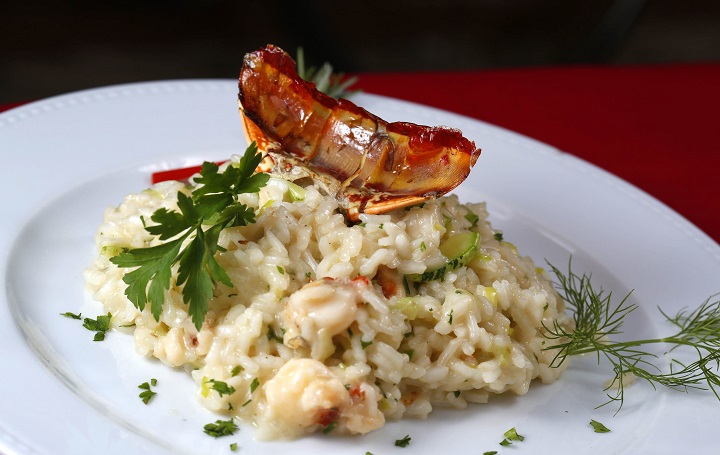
x=597, y=320
x=332, y=84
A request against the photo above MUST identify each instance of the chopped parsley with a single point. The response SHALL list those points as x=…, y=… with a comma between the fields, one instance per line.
x=498, y=236
x=147, y=394
x=99, y=326
x=281, y=270
x=254, y=385
x=194, y=230
x=237, y=370
x=491, y=452
x=272, y=335
x=233, y=446
x=220, y=428
x=330, y=427
x=472, y=218
x=511, y=436
x=221, y=387
x=404, y=442
x=72, y=315
x=599, y=427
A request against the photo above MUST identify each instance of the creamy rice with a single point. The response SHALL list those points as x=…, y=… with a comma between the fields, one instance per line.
x=320, y=331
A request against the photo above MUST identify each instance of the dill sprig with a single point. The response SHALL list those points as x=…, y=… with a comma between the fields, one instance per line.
x=597, y=320
x=335, y=85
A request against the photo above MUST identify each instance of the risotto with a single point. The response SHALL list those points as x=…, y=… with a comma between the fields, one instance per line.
x=327, y=326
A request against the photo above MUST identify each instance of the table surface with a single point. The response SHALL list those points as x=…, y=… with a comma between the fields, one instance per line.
x=653, y=126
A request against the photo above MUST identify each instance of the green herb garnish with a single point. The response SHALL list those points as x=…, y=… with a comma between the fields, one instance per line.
x=254, y=385
x=404, y=442
x=72, y=315
x=220, y=428
x=99, y=326
x=221, y=387
x=597, y=319
x=194, y=230
x=472, y=218
x=233, y=446
x=147, y=394
x=330, y=427
x=511, y=436
x=599, y=427
x=272, y=335
x=332, y=84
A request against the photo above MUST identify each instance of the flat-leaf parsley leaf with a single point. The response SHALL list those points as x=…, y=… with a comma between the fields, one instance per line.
x=191, y=236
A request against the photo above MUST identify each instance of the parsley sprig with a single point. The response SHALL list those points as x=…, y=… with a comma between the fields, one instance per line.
x=191, y=237
x=598, y=320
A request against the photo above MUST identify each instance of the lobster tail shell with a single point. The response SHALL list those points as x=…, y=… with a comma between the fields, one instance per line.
x=380, y=166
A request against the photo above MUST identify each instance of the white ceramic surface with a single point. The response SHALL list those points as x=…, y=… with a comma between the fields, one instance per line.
x=68, y=158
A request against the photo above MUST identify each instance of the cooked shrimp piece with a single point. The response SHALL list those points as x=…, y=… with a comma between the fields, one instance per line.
x=363, y=415
x=370, y=165
x=318, y=311
x=305, y=394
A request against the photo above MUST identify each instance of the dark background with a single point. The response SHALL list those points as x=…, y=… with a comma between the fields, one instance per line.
x=52, y=47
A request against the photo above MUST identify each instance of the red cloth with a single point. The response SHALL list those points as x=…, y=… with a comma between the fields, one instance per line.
x=654, y=126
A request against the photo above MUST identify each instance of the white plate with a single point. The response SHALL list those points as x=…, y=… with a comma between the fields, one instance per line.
x=67, y=158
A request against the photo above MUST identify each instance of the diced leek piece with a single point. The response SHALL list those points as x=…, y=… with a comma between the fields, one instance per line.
x=459, y=249
x=110, y=251
x=490, y=294
x=205, y=387
x=407, y=306
x=296, y=192
x=510, y=245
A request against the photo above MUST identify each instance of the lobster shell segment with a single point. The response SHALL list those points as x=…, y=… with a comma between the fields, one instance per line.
x=376, y=166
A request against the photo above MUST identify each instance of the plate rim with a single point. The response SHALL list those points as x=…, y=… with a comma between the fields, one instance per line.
x=31, y=111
